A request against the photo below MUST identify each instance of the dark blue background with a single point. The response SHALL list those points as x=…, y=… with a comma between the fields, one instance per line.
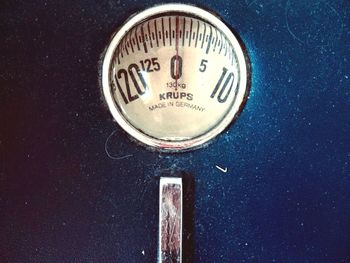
x=74, y=188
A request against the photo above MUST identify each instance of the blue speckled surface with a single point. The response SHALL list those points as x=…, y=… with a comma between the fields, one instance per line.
x=285, y=197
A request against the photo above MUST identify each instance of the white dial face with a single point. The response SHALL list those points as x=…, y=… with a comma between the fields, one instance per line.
x=174, y=76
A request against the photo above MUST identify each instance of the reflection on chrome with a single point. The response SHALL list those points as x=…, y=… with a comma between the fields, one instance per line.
x=170, y=220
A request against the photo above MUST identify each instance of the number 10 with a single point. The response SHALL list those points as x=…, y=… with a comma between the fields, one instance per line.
x=221, y=97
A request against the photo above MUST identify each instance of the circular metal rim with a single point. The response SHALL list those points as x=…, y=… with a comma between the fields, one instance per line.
x=148, y=140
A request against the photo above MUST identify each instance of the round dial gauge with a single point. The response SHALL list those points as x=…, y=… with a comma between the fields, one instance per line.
x=174, y=76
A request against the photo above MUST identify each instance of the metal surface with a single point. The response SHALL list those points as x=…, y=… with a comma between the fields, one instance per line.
x=73, y=188
x=170, y=220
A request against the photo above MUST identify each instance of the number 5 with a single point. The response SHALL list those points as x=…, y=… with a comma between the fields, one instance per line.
x=156, y=65
x=203, y=65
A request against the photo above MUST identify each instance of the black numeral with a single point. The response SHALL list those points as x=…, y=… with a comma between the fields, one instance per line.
x=155, y=64
x=203, y=65
x=131, y=72
x=147, y=64
x=176, y=67
x=148, y=67
x=136, y=84
x=222, y=97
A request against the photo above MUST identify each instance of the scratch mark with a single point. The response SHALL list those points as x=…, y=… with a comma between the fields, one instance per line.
x=146, y=183
x=224, y=170
x=111, y=156
x=339, y=16
x=287, y=23
x=305, y=42
x=251, y=3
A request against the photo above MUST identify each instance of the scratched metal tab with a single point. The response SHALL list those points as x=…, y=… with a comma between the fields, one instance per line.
x=170, y=220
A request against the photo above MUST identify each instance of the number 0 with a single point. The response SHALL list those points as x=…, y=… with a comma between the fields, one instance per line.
x=176, y=67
